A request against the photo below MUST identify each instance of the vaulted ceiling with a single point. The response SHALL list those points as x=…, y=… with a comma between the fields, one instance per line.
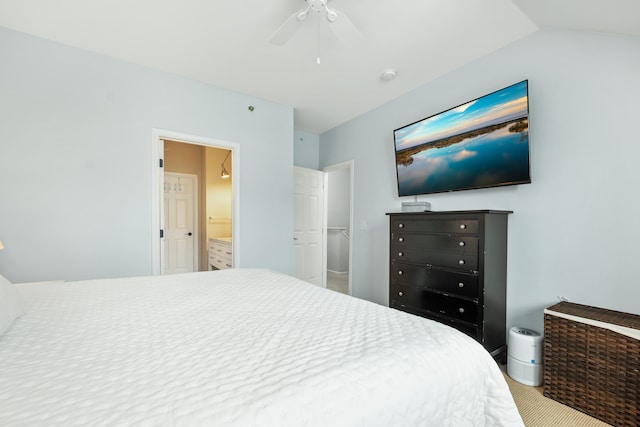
x=227, y=43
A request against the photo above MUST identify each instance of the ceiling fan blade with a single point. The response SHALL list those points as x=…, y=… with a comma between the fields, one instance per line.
x=289, y=28
x=344, y=29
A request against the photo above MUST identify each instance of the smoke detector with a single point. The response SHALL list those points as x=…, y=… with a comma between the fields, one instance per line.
x=388, y=74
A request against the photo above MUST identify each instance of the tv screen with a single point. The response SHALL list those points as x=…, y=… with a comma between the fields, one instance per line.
x=481, y=143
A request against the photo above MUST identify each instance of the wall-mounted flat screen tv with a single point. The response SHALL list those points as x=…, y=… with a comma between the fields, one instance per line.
x=481, y=143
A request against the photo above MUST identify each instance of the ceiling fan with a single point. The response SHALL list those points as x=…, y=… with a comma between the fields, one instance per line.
x=341, y=26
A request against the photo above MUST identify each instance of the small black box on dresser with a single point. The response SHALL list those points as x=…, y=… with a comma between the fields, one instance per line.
x=451, y=267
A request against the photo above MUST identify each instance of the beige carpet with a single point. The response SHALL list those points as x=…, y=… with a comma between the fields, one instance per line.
x=338, y=282
x=539, y=411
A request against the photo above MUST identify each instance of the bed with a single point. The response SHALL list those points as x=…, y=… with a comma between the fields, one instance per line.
x=241, y=347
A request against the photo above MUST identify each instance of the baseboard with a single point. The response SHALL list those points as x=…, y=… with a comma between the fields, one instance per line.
x=341, y=273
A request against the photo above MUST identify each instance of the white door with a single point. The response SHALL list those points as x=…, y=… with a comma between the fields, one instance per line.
x=308, y=239
x=180, y=234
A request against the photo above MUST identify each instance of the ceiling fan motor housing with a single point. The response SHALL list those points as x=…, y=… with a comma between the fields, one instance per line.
x=317, y=5
x=341, y=25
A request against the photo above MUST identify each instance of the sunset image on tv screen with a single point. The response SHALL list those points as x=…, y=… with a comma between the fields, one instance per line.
x=482, y=143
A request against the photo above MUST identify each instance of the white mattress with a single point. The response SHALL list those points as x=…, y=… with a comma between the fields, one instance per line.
x=237, y=348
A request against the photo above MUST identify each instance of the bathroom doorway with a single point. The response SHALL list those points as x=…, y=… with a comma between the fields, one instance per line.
x=216, y=163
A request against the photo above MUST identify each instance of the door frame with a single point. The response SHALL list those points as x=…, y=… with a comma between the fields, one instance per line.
x=157, y=190
x=348, y=164
x=196, y=224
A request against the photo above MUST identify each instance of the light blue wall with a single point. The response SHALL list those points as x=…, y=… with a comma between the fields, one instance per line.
x=306, y=150
x=575, y=229
x=76, y=161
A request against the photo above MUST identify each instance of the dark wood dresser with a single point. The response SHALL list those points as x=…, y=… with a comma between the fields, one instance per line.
x=452, y=267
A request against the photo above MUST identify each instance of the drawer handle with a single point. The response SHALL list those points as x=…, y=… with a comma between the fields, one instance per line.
x=461, y=262
x=401, y=225
x=461, y=310
x=400, y=253
x=461, y=285
x=463, y=226
x=400, y=272
x=400, y=293
x=400, y=239
x=461, y=244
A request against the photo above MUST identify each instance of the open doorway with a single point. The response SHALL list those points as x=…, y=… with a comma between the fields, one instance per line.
x=213, y=164
x=339, y=226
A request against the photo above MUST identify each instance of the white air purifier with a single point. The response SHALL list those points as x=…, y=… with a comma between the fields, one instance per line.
x=524, y=361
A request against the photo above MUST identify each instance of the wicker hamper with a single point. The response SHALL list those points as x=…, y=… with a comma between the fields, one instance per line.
x=592, y=361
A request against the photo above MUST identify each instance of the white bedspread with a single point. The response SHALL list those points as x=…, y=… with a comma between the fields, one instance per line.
x=237, y=348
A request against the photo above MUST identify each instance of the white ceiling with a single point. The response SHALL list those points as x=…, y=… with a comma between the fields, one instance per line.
x=226, y=43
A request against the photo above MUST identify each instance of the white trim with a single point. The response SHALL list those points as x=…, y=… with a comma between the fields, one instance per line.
x=331, y=168
x=325, y=215
x=157, y=184
x=160, y=203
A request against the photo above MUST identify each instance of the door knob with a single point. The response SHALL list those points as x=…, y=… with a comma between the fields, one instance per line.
x=189, y=234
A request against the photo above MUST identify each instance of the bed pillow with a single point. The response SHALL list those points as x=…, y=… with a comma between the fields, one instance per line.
x=11, y=305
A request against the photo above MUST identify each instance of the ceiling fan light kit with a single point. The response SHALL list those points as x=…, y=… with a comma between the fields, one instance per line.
x=338, y=22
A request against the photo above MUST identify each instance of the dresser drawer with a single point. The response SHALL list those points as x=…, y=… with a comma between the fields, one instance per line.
x=454, y=243
x=435, y=225
x=404, y=296
x=220, y=254
x=474, y=331
x=220, y=263
x=438, y=280
x=452, y=307
x=462, y=261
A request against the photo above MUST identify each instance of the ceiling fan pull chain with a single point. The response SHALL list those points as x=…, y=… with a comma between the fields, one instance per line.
x=318, y=41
